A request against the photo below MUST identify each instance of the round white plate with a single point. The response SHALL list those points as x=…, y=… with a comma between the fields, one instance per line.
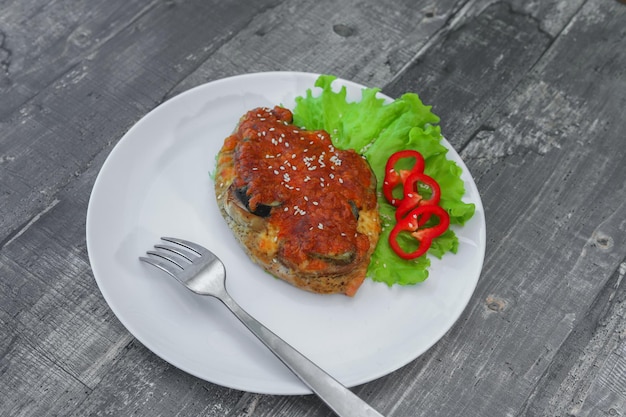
x=156, y=182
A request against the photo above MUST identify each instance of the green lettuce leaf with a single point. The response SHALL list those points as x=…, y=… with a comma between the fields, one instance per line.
x=377, y=129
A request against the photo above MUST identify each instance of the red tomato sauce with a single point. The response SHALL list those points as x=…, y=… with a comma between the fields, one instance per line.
x=314, y=189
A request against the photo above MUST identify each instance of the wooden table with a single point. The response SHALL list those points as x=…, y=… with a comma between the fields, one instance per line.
x=531, y=94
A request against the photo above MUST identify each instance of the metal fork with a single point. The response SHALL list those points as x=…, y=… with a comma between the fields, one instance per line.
x=202, y=272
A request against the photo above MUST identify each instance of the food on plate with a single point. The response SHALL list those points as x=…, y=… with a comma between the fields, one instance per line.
x=377, y=129
x=303, y=209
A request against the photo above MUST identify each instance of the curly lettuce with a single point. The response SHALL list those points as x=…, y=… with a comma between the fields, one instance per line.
x=376, y=129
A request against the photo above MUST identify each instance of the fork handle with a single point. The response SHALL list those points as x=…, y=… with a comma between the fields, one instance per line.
x=339, y=398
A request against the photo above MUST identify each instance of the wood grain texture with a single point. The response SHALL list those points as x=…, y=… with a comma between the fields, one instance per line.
x=530, y=93
x=361, y=41
x=34, y=58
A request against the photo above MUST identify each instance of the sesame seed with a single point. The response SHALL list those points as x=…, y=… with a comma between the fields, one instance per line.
x=320, y=226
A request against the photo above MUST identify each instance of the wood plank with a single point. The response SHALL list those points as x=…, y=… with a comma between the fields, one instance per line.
x=139, y=383
x=485, y=58
x=61, y=333
x=607, y=393
x=355, y=40
x=32, y=59
x=49, y=392
x=578, y=382
x=551, y=17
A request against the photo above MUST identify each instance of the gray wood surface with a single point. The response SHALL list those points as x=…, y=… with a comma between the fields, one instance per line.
x=531, y=94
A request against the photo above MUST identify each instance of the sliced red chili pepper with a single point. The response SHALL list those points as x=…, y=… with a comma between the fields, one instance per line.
x=413, y=198
x=394, y=178
x=412, y=223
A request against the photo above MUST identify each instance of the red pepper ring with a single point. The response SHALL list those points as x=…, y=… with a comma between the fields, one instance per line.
x=395, y=178
x=412, y=223
x=412, y=197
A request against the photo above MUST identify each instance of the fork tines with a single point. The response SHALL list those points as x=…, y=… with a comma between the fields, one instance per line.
x=173, y=258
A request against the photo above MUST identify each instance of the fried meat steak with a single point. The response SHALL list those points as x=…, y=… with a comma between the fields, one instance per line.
x=302, y=209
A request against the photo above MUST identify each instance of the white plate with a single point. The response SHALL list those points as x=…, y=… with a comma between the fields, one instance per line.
x=156, y=183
